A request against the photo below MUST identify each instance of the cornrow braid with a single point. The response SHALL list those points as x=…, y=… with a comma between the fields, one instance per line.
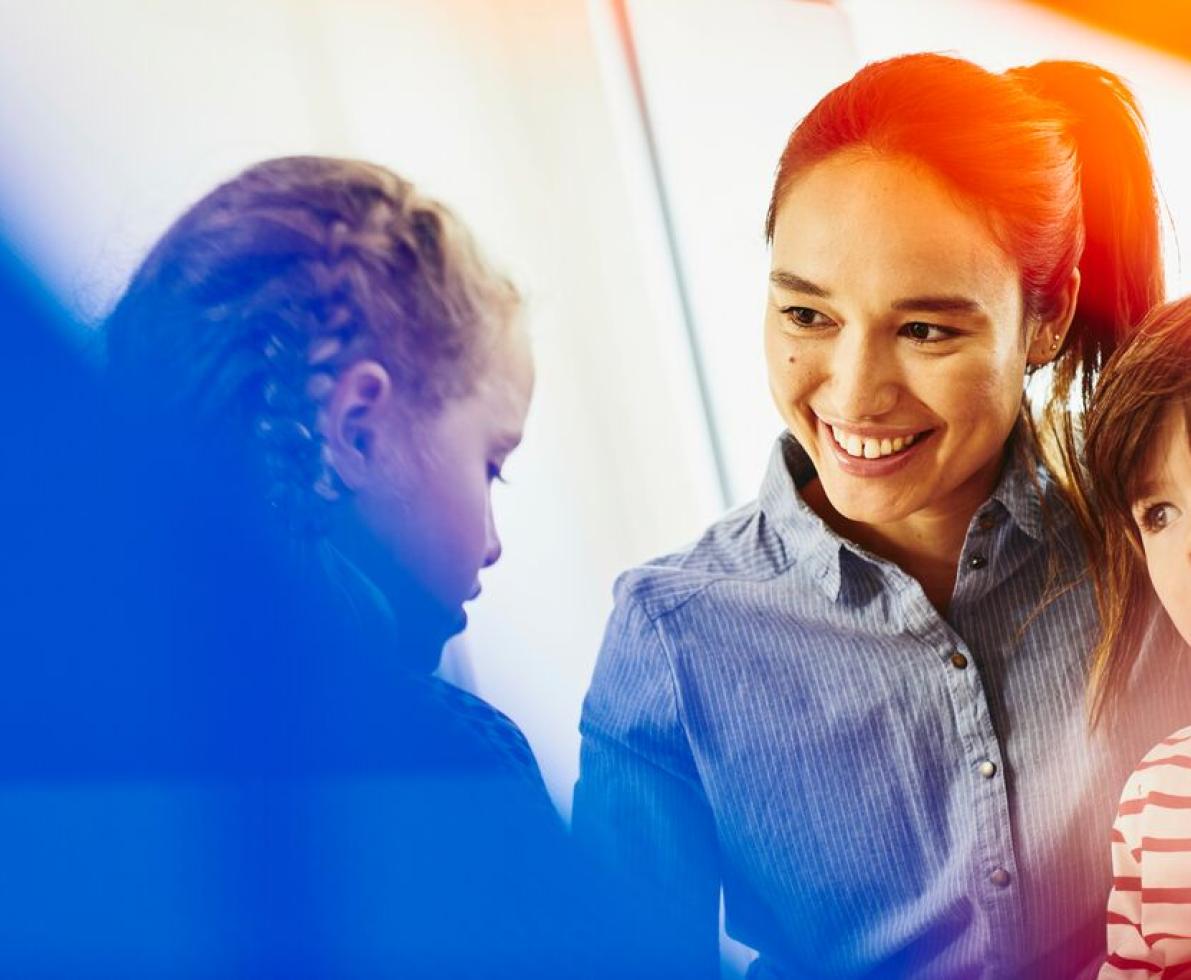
x=251, y=305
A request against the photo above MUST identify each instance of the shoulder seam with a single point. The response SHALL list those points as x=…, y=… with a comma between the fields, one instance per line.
x=671, y=672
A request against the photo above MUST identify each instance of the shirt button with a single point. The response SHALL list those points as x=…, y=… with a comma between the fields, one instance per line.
x=977, y=562
x=958, y=660
x=987, y=522
x=988, y=769
x=999, y=877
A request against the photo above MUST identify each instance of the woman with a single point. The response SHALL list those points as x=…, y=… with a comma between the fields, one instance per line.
x=848, y=703
x=327, y=341
x=1139, y=471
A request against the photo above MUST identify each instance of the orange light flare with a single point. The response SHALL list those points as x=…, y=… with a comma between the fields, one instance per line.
x=1161, y=24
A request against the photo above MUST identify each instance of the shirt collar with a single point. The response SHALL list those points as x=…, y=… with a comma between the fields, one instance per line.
x=829, y=557
x=1023, y=485
x=803, y=533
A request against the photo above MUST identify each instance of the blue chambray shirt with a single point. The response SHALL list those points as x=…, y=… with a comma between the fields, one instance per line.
x=880, y=791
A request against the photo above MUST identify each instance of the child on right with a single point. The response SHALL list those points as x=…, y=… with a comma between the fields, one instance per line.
x=1138, y=453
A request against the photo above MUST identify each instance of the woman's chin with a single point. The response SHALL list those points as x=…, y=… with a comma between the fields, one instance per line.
x=863, y=505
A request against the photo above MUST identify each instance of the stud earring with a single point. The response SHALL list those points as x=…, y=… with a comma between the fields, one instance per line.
x=1054, y=344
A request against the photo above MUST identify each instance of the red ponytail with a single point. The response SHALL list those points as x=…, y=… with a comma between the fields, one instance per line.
x=1055, y=157
x=1121, y=263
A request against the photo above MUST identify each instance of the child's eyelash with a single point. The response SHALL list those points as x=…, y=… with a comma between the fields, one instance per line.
x=1152, y=518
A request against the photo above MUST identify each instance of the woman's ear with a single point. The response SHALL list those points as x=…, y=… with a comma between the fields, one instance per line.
x=1051, y=331
x=352, y=418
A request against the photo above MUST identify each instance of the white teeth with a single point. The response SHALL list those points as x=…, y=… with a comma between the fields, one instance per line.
x=868, y=448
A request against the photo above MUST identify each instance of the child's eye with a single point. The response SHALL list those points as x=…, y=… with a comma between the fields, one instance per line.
x=927, y=333
x=1157, y=517
x=805, y=318
x=494, y=473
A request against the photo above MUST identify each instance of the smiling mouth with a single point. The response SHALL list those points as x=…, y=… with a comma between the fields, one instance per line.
x=862, y=447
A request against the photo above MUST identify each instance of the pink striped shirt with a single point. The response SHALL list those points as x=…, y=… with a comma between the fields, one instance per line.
x=1149, y=909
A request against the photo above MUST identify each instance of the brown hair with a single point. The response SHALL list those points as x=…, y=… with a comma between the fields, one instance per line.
x=251, y=303
x=1145, y=379
x=1054, y=154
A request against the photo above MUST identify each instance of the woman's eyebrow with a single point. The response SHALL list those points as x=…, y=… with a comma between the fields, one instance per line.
x=795, y=283
x=938, y=304
x=933, y=304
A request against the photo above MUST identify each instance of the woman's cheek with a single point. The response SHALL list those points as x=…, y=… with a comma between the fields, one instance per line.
x=788, y=369
x=983, y=392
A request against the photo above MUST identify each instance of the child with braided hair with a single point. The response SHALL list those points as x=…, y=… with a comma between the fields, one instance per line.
x=343, y=332
x=333, y=338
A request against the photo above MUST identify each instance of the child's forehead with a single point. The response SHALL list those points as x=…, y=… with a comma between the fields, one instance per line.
x=1174, y=428
x=1167, y=461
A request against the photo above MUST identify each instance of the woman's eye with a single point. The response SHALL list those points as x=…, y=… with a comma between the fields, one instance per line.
x=927, y=333
x=804, y=316
x=1158, y=517
x=494, y=473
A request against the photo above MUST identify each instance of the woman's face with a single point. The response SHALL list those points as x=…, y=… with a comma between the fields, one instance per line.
x=1162, y=512
x=426, y=496
x=894, y=339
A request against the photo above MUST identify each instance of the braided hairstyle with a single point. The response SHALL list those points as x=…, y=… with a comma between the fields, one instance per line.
x=245, y=312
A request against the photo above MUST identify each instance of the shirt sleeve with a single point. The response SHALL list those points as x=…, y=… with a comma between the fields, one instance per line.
x=639, y=804
x=1131, y=955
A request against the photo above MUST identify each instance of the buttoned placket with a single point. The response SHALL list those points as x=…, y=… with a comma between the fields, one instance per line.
x=995, y=549
x=995, y=873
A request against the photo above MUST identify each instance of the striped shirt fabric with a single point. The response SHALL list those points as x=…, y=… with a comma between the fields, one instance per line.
x=1149, y=910
x=880, y=791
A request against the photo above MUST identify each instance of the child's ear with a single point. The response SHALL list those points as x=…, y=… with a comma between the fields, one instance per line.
x=1051, y=331
x=351, y=418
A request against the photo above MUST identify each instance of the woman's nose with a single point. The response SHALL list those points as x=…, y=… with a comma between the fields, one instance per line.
x=864, y=376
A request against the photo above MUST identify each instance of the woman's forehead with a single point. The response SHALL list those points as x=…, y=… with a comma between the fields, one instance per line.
x=889, y=225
